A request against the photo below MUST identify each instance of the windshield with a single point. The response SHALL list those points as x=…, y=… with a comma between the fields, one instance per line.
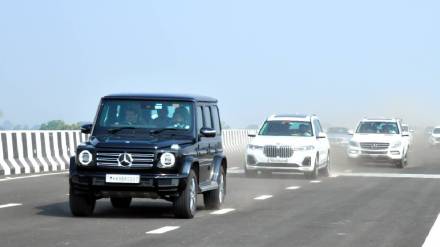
x=145, y=116
x=378, y=128
x=436, y=131
x=286, y=128
x=337, y=130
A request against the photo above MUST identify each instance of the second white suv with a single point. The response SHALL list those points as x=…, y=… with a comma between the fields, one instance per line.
x=434, y=138
x=380, y=140
x=289, y=143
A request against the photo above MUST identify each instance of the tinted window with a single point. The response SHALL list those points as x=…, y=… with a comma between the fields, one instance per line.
x=378, y=128
x=207, y=116
x=216, y=119
x=199, y=118
x=286, y=128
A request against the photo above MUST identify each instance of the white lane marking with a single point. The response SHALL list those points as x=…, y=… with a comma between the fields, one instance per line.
x=10, y=205
x=263, y=197
x=315, y=181
x=163, y=230
x=348, y=171
x=390, y=175
x=293, y=188
x=32, y=176
x=223, y=211
x=433, y=238
x=234, y=168
x=236, y=171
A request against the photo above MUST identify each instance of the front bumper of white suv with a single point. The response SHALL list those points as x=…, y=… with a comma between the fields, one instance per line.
x=285, y=158
x=375, y=151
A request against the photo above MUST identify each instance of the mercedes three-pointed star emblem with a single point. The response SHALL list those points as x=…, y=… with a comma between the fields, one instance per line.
x=125, y=159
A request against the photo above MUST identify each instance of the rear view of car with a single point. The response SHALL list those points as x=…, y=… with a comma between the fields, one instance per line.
x=338, y=136
x=434, y=138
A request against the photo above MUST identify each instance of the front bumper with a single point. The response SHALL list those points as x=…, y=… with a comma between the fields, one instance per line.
x=150, y=185
x=302, y=161
x=375, y=155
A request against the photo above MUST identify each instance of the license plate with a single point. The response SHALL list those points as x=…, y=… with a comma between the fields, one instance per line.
x=275, y=160
x=122, y=179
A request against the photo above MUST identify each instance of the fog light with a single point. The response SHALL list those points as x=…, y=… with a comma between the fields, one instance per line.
x=251, y=160
x=307, y=161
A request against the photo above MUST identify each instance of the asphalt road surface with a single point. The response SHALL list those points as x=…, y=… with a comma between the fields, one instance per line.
x=367, y=205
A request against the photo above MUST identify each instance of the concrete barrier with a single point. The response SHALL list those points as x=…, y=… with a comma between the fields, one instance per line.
x=24, y=152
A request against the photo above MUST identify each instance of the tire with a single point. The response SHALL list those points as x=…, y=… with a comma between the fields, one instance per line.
x=313, y=174
x=214, y=199
x=118, y=202
x=403, y=162
x=326, y=171
x=185, y=205
x=81, y=205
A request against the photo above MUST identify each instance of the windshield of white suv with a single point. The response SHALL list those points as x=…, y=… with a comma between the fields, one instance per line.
x=436, y=131
x=118, y=115
x=378, y=128
x=286, y=128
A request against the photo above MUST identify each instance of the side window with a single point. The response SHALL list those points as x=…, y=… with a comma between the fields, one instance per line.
x=318, y=128
x=216, y=119
x=207, y=116
x=199, y=118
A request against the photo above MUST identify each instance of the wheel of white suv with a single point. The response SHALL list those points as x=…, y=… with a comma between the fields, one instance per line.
x=313, y=174
x=121, y=202
x=327, y=169
x=214, y=199
x=403, y=162
x=81, y=205
x=185, y=205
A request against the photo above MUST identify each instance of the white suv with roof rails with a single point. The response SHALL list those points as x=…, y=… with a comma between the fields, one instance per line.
x=380, y=140
x=289, y=143
x=434, y=138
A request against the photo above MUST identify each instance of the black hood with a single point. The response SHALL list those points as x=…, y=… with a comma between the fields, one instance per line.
x=138, y=143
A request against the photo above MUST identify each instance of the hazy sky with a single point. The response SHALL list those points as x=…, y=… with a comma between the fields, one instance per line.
x=339, y=59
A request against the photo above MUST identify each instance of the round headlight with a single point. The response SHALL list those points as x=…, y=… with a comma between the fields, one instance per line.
x=85, y=157
x=167, y=160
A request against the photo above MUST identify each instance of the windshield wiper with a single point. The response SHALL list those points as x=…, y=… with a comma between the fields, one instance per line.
x=157, y=131
x=116, y=130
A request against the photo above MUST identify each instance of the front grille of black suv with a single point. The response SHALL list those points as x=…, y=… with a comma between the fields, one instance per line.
x=375, y=145
x=272, y=151
x=110, y=159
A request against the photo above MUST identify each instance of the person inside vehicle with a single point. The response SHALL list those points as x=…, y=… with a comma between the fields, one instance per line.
x=181, y=118
x=304, y=130
x=162, y=120
x=131, y=117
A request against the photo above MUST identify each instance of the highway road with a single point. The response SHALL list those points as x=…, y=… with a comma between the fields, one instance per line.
x=368, y=205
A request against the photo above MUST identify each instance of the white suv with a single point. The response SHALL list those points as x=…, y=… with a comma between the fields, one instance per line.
x=380, y=140
x=434, y=138
x=289, y=143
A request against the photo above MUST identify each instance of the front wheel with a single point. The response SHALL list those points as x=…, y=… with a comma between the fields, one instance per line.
x=214, y=199
x=327, y=169
x=81, y=205
x=403, y=162
x=315, y=172
x=185, y=205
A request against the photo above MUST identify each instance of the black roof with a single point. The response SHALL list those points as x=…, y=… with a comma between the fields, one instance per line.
x=184, y=97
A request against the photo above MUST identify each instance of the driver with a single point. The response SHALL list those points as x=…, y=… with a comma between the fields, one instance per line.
x=131, y=117
x=305, y=130
x=181, y=118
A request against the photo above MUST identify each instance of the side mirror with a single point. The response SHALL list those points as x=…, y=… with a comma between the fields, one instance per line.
x=321, y=135
x=208, y=132
x=252, y=133
x=86, y=128
x=405, y=134
x=351, y=132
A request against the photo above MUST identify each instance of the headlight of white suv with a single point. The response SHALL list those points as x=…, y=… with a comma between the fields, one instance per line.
x=85, y=157
x=304, y=148
x=397, y=144
x=255, y=147
x=354, y=144
x=167, y=160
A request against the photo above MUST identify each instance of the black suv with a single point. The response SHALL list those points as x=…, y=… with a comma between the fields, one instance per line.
x=150, y=146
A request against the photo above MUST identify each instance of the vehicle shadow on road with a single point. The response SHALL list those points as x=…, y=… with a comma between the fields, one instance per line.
x=145, y=209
